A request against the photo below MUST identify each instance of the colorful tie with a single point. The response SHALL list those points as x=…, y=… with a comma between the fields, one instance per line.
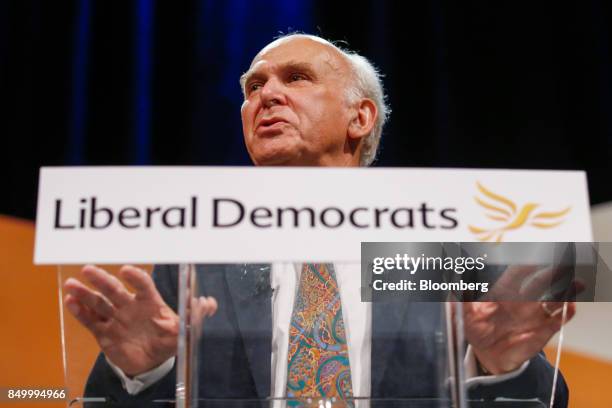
x=318, y=355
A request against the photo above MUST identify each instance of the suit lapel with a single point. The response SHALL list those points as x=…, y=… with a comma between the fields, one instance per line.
x=250, y=292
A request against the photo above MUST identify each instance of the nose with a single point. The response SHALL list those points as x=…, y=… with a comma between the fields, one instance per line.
x=273, y=93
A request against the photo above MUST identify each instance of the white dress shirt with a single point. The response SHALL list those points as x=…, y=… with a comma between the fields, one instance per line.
x=357, y=317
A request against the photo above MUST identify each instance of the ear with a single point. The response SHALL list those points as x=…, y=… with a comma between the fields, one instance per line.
x=363, y=120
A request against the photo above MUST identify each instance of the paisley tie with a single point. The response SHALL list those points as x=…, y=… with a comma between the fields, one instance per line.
x=318, y=364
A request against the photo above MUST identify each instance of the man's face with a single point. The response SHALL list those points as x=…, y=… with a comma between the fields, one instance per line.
x=295, y=110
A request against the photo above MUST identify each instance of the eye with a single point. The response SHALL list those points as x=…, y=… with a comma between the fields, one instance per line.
x=297, y=77
x=254, y=86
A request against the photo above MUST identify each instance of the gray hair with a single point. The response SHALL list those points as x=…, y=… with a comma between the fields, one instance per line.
x=367, y=83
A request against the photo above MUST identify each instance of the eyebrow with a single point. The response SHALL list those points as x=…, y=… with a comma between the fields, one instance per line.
x=287, y=66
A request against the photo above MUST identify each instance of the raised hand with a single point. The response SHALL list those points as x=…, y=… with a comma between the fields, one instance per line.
x=506, y=333
x=136, y=331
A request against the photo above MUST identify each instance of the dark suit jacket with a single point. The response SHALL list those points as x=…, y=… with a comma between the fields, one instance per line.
x=234, y=354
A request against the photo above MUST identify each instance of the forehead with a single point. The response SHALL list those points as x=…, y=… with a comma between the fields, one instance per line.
x=320, y=55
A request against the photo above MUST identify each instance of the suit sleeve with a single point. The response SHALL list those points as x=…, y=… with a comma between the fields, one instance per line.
x=535, y=382
x=104, y=383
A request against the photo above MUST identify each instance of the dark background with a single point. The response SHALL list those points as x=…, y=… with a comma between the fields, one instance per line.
x=472, y=83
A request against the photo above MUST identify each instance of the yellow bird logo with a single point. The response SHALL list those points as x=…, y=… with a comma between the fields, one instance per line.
x=503, y=210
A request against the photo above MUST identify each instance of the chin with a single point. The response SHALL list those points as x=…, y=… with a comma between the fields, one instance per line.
x=275, y=155
x=277, y=158
x=274, y=161
x=286, y=148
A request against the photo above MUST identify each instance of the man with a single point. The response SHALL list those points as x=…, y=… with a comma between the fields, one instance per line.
x=307, y=103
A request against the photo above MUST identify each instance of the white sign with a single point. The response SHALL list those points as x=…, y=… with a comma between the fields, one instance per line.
x=248, y=214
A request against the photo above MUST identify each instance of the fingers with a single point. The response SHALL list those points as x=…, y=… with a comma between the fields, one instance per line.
x=551, y=309
x=507, y=341
x=108, y=285
x=552, y=282
x=541, y=281
x=208, y=306
x=554, y=311
x=203, y=307
x=141, y=281
x=84, y=315
x=499, y=320
x=529, y=282
x=84, y=296
x=552, y=320
x=571, y=311
x=513, y=277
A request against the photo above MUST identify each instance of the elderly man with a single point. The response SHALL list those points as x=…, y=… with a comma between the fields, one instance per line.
x=306, y=103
